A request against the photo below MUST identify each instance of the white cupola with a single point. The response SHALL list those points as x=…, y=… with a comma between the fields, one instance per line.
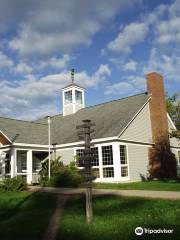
x=73, y=97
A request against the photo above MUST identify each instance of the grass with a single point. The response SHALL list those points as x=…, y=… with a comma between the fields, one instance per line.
x=25, y=215
x=149, y=185
x=116, y=218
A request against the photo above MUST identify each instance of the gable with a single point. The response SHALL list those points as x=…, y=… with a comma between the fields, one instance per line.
x=139, y=130
x=3, y=140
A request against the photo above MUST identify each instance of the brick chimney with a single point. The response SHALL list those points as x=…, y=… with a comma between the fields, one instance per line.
x=158, y=112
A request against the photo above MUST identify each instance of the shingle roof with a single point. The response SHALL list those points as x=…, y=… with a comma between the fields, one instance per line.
x=110, y=119
x=23, y=131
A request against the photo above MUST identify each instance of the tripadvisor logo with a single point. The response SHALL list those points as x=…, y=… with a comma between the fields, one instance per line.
x=139, y=231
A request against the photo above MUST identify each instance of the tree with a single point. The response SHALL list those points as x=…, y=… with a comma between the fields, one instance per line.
x=162, y=164
x=173, y=108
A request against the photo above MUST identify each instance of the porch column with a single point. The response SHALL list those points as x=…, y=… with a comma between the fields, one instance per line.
x=29, y=166
x=13, y=162
x=116, y=160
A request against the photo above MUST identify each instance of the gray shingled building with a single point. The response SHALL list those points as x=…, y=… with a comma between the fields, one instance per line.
x=123, y=135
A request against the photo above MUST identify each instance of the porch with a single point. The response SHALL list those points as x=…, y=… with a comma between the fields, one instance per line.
x=25, y=163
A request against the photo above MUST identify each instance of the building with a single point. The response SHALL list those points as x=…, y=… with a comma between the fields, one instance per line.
x=125, y=130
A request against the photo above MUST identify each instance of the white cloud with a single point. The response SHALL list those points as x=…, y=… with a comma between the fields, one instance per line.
x=121, y=88
x=50, y=26
x=131, y=65
x=33, y=97
x=55, y=62
x=169, y=31
x=167, y=65
x=23, y=68
x=132, y=34
x=5, y=61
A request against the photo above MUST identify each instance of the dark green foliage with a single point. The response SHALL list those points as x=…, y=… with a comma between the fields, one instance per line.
x=162, y=164
x=66, y=177
x=61, y=175
x=14, y=184
x=173, y=108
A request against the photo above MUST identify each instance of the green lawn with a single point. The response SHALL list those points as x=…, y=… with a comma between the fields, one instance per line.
x=116, y=218
x=149, y=185
x=24, y=215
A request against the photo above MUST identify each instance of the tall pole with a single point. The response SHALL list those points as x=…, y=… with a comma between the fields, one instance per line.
x=49, y=147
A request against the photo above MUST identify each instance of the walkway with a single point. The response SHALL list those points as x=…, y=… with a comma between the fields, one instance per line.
x=52, y=230
x=130, y=193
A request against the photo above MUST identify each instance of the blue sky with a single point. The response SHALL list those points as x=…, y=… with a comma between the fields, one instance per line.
x=111, y=44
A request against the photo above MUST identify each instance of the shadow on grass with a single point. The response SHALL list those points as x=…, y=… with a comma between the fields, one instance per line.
x=29, y=219
x=8, y=211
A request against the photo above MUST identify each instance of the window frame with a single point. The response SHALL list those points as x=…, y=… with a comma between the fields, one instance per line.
x=66, y=100
x=105, y=156
x=80, y=100
x=24, y=163
x=124, y=164
x=111, y=162
x=81, y=167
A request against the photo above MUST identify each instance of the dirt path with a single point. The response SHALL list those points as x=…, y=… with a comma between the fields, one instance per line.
x=130, y=193
x=52, y=229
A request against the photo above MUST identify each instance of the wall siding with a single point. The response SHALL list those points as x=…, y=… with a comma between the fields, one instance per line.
x=140, y=128
x=138, y=161
x=67, y=155
x=173, y=141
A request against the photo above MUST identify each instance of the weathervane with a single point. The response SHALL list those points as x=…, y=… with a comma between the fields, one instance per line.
x=72, y=75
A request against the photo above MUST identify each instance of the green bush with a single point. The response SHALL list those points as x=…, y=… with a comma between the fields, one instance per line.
x=13, y=184
x=61, y=175
x=66, y=177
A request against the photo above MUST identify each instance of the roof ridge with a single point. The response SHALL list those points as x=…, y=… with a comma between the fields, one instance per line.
x=114, y=100
x=19, y=120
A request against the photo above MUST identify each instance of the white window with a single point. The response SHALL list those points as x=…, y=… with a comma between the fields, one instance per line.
x=7, y=164
x=107, y=160
x=95, y=172
x=94, y=162
x=68, y=97
x=21, y=161
x=107, y=155
x=79, y=153
x=123, y=160
x=108, y=172
x=78, y=96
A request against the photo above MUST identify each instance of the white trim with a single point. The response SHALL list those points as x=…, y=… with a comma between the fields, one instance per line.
x=169, y=118
x=144, y=144
x=31, y=145
x=125, y=165
x=134, y=117
x=5, y=136
x=98, y=140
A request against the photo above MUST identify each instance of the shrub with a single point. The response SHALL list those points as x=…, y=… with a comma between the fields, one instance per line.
x=66, y=177
x=61, y=175
x=13, y=184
